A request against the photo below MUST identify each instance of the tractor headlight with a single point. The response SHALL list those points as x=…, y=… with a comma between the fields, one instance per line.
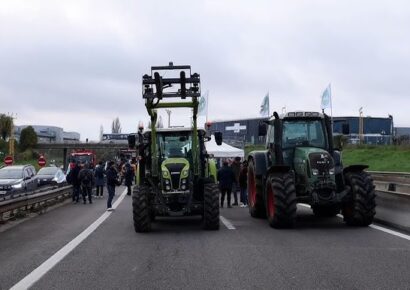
x=315, y=171
x=332, y=171
x=185, y=173
x=165, y=173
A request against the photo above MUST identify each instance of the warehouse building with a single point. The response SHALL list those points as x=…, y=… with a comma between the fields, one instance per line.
x=376, y=130
x=49, y=134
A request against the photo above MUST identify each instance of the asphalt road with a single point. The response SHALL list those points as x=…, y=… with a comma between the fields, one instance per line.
x=178, y=254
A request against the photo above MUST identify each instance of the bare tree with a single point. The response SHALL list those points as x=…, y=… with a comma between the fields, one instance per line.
x=116, y=126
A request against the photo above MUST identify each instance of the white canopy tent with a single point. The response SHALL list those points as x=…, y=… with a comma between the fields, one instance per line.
x=224, y=150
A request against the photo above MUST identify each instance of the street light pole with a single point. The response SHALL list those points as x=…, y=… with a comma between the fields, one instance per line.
x=169, y=117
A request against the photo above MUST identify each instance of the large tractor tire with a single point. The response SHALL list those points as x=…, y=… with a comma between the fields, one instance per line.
x=255, y=193
x=281, y=200
x=360, y=210
x=211, y=207
x=141, y=209
x=326, y=211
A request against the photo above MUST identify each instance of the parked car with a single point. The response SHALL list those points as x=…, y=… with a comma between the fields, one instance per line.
x=17, y=178
x=51, y=175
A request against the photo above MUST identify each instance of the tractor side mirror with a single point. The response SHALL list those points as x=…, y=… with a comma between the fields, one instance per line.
x=218, y=138
x=131, y=141
x=345, y=129
x=262, y=129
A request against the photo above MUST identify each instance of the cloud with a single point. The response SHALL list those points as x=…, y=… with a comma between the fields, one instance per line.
x=78, y=64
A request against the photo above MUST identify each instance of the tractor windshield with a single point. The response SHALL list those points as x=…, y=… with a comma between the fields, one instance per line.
x=175, y=145
x=303, y=133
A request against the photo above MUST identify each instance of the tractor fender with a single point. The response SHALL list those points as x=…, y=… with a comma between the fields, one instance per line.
x=354, y=168
x=261, y=162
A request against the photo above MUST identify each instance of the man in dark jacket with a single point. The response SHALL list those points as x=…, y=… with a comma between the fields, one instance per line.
x=86, y=178
x=73, y=177
x=99, y=179
x=226, y=178
x=129, y=177
x=112, y=181
x=236, y=168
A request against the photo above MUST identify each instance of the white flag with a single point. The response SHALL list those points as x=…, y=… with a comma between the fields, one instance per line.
x=327, y=98
x=264, y=111
x=203, y=105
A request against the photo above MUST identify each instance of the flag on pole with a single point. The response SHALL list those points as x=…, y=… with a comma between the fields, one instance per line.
x=264, y=111
x=203, y=105
x=327, y=98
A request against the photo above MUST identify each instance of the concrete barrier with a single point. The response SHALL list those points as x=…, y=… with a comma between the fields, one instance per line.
x=393, y=209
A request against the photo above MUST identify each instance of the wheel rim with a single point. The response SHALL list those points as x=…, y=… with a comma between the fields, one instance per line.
x=270, y=201
x=251, y=187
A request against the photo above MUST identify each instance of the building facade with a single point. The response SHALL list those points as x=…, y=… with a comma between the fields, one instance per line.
x=49, y=134
x=245, y=131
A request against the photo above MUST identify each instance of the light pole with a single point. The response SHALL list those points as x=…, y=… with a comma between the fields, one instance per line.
x=361, y=125
x=11, y=138
x=169, y=117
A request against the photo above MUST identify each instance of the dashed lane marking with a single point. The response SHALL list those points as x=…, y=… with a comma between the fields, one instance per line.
x=379, y=228
x=41, y=270
x=227, y=223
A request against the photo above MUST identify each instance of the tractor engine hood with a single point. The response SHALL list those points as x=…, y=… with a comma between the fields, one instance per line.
x=175, y=174
x=320, y=161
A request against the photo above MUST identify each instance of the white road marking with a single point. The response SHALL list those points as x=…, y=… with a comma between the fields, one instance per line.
x=373, y=226
x=227, y=223
x=41, y=270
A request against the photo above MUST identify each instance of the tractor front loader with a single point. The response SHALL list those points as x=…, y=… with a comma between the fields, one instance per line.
x=175, y=176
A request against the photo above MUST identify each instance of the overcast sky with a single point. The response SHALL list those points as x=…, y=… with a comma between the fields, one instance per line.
x=78, y=64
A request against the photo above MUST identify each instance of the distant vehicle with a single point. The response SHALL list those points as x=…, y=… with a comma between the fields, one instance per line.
x=115, y=138
x=127, y=154
x=82, y=157
x=51, y=175
x=17, y=178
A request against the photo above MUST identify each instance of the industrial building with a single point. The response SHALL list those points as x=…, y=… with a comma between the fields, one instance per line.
x=376, y=130
x=49, y=134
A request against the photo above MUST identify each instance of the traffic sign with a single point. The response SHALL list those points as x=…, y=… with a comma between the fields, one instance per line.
x=8, y=160
x=41, y=161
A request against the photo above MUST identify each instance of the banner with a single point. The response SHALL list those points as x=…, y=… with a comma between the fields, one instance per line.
x=203, y=105
x=327, y=98
x=264, y=111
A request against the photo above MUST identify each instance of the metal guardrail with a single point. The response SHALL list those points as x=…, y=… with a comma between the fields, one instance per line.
x=392, y=182
x=35, y=200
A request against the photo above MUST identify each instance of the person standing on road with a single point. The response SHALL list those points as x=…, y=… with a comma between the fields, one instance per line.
x=112, y=181
x=99, y=180
x=86, y=178
x=243, y=183
x=236, y=168
x=129, y=177
x=226, y=178
x=73, y=177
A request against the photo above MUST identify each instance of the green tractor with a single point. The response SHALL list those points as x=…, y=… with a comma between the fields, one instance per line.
x=175, y=176
x=301, y=165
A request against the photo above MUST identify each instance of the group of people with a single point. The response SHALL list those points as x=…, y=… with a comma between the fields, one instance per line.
x=84, y=178
x=232, y=178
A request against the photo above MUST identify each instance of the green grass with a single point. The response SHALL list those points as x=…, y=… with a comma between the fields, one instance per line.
x=379, y=158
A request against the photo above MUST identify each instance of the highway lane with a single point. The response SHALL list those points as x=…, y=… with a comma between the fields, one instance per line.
x=317, y=254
